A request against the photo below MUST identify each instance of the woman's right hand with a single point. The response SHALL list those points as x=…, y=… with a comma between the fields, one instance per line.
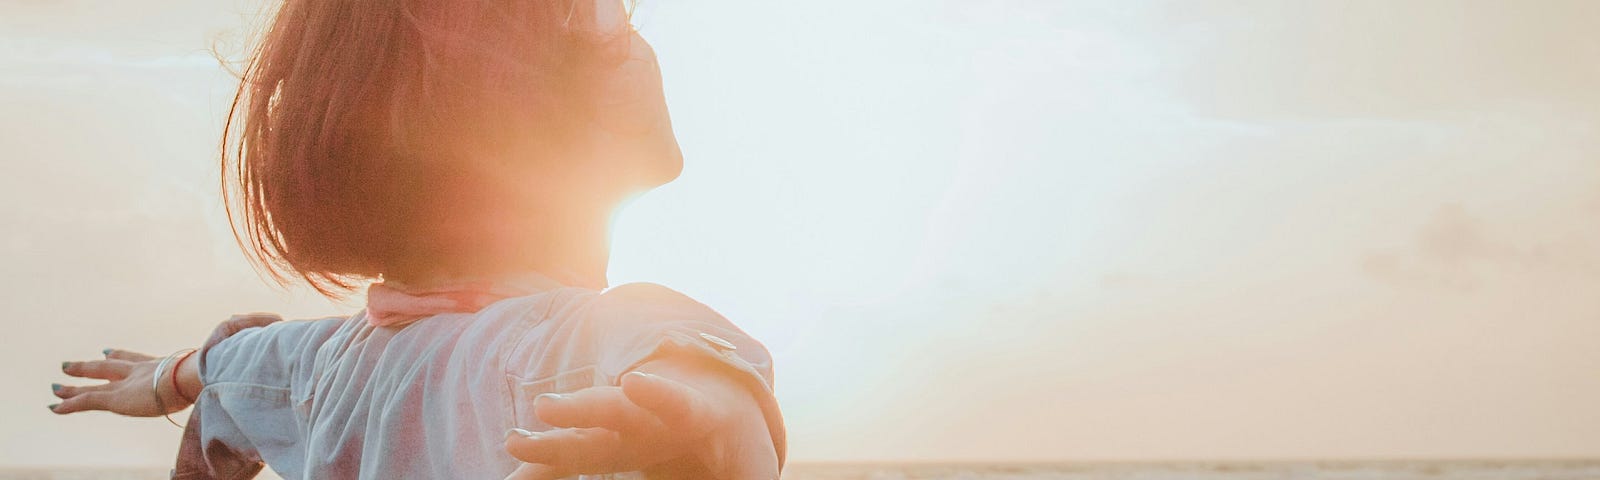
x=128, y=390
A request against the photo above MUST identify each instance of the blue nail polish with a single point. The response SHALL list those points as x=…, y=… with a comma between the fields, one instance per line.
x=55, y=387
x=52, y=407
x=106, y=352
x=64, y=365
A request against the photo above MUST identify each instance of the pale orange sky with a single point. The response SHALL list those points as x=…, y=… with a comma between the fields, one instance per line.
x=968, y=230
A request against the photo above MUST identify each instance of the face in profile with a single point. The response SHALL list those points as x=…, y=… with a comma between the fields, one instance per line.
x=631, y=139
x=632, y=131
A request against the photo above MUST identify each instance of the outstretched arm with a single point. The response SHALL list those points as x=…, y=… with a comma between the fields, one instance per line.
x=248, y=354
x=683, y=394
x=671, y=418
x=132, y=388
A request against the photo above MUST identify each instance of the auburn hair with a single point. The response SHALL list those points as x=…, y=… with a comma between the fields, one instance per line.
x=355, y=120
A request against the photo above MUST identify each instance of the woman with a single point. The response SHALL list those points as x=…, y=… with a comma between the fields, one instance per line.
x=463, y=157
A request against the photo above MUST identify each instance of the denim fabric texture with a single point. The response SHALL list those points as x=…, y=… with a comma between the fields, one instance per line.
x=339, y=398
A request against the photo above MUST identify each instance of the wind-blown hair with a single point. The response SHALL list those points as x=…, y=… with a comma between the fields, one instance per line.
x=361, y=126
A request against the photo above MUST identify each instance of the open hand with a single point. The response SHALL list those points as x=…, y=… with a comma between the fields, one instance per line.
x=707, y=427
x=129, y=376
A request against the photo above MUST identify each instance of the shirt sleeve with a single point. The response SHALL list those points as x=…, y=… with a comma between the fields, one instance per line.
x=641, y=322
x=249, y=368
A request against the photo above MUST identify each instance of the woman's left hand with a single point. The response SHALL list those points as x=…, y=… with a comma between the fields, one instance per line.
x=704, y=426
x=127, y=391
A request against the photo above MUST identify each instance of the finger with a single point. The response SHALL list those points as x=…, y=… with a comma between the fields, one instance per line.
x=679, y=406
x=69, y=391
x=598, y=407
x=101, y=369
x=535, y=471
x=81, y=403
x=579, y=450
x=124, y=355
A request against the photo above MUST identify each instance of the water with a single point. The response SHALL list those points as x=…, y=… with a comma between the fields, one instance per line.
x=1388, y=470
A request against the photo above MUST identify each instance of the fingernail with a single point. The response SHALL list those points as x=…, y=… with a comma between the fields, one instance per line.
x=64, y=365
x=55, y=387
x=52, y=407
x=524, y=433
x=106, y=352
x=643, y=377
x=549, y=397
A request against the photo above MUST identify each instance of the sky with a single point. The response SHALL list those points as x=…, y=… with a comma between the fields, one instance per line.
x=967, y=230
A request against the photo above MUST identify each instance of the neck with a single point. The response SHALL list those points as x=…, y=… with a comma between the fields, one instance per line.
x=573, y=249
x=578, y=256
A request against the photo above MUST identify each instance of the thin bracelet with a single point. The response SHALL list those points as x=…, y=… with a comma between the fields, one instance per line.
x=177, y=366
x=155, y=387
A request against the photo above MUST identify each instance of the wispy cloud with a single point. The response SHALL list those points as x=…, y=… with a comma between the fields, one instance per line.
x=1457, y=250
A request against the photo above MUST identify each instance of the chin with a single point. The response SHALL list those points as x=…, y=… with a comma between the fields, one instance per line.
x=667, y=167
x=655, y=161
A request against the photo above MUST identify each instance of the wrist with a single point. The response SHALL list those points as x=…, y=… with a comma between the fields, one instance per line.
x=187, y=378
x=181, y=385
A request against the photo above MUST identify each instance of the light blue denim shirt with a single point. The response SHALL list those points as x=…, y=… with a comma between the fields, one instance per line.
x=338, y=398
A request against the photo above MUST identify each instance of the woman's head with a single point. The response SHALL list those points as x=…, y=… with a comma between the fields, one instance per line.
x=371, y=137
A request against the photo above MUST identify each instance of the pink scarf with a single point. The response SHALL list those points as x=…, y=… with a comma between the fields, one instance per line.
x=391, y=304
